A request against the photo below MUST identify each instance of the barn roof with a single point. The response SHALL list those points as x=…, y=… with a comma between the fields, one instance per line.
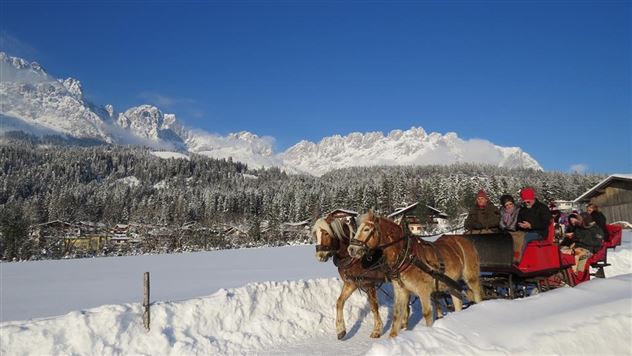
x=596, y=190
x=403, y=210
x=411, y=207
x=343, y=212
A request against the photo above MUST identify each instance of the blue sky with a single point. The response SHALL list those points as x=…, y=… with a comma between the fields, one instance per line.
x=553, y=78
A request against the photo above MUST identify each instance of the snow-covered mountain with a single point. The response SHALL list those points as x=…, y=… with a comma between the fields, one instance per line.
x=243, y=146
x=150, y=123
x=410, y=147
x=33, y=101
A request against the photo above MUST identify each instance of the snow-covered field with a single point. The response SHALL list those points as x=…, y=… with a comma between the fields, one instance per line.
x=281, y=301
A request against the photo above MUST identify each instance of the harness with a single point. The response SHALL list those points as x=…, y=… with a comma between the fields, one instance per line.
x=348, y=262
x=407, y=258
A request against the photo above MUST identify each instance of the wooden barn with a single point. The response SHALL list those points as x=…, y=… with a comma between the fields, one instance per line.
x=613, y=196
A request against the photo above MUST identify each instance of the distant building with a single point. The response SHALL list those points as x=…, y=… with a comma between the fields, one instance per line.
x=565, y=205
x=291, y=230
x=83, y=236
x=118, y=234
x=340, y=213
x=415, y=225
x=54, y=229
x=613, y=196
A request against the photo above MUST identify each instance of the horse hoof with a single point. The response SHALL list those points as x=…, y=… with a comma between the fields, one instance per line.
x=341, y=335
x=375, y=335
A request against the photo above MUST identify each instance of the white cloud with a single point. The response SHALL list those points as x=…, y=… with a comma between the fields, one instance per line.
x=164, y=100
x=13, y=46
x=578, y=168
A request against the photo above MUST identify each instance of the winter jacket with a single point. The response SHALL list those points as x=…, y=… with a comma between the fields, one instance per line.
x=600, y=220
x=486, y=217
x=589, y=237
x=510, y=217
x=538, y=215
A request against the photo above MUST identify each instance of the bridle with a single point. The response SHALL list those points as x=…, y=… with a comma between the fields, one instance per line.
x=364, y=245
x=336, y=233
x=333, y=247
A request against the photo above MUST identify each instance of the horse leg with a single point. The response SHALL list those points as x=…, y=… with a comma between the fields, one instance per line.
x=377, y=320
x=347, y=289
x=471, y=272
x=474, y=292
x=458, y=304
x=424, y=292
x=401, y=303
x=472, y=277
x=403, y=324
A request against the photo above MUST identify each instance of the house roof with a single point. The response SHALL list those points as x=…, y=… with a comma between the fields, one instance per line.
x=596, y=190
x=410, y=207
x=55, y=222
x=437, y=211
x=344, y=212
x=300, y=223
x=403, y=210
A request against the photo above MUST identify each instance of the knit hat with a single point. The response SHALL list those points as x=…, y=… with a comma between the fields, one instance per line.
x=527, y=193
x=481, y=193
x=505, y=198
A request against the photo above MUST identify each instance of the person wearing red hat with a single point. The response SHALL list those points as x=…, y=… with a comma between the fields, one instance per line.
x=483, y=216
x=534, y=218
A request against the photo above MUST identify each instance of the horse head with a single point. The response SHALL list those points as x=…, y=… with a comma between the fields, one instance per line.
x=332, y=236
x=367, y=237
x=374, y=234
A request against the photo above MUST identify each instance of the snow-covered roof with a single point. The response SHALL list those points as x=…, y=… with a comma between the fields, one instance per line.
x=343, y=211
x=399, y=211
x=54, y=222
x=439, y=212
x=594, y=190
x=410, y=207
x=300, y=223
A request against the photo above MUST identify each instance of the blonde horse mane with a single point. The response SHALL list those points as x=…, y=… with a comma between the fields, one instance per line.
x=334, y=229
x=321, y=223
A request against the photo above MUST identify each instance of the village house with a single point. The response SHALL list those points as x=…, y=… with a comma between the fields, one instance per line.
x=415, y=225
x=291, y=229
x=613, y=196
x=87, y=237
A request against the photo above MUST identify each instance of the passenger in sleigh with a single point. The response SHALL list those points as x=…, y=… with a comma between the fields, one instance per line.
x=483, y=217
x=508, y=213
x=598, y=217
x=585, y=239
x=508, y=220
x=534, y=218
x=559, y=219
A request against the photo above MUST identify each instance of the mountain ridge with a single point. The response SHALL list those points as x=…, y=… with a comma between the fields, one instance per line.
x=35, y=102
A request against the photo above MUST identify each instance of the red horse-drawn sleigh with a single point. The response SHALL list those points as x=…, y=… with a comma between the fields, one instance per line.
x=541, y=267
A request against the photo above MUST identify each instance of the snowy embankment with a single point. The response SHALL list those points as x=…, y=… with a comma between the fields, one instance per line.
x=297, y=316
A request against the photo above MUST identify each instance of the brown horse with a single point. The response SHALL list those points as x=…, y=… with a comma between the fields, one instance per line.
x=418, y=266
x=332, y=236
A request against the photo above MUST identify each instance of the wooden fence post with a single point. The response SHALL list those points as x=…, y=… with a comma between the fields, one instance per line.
x=146, y=318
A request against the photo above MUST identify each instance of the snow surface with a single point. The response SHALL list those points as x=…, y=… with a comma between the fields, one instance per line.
x=129, y=180
x=281, y=301
x=169, y=154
